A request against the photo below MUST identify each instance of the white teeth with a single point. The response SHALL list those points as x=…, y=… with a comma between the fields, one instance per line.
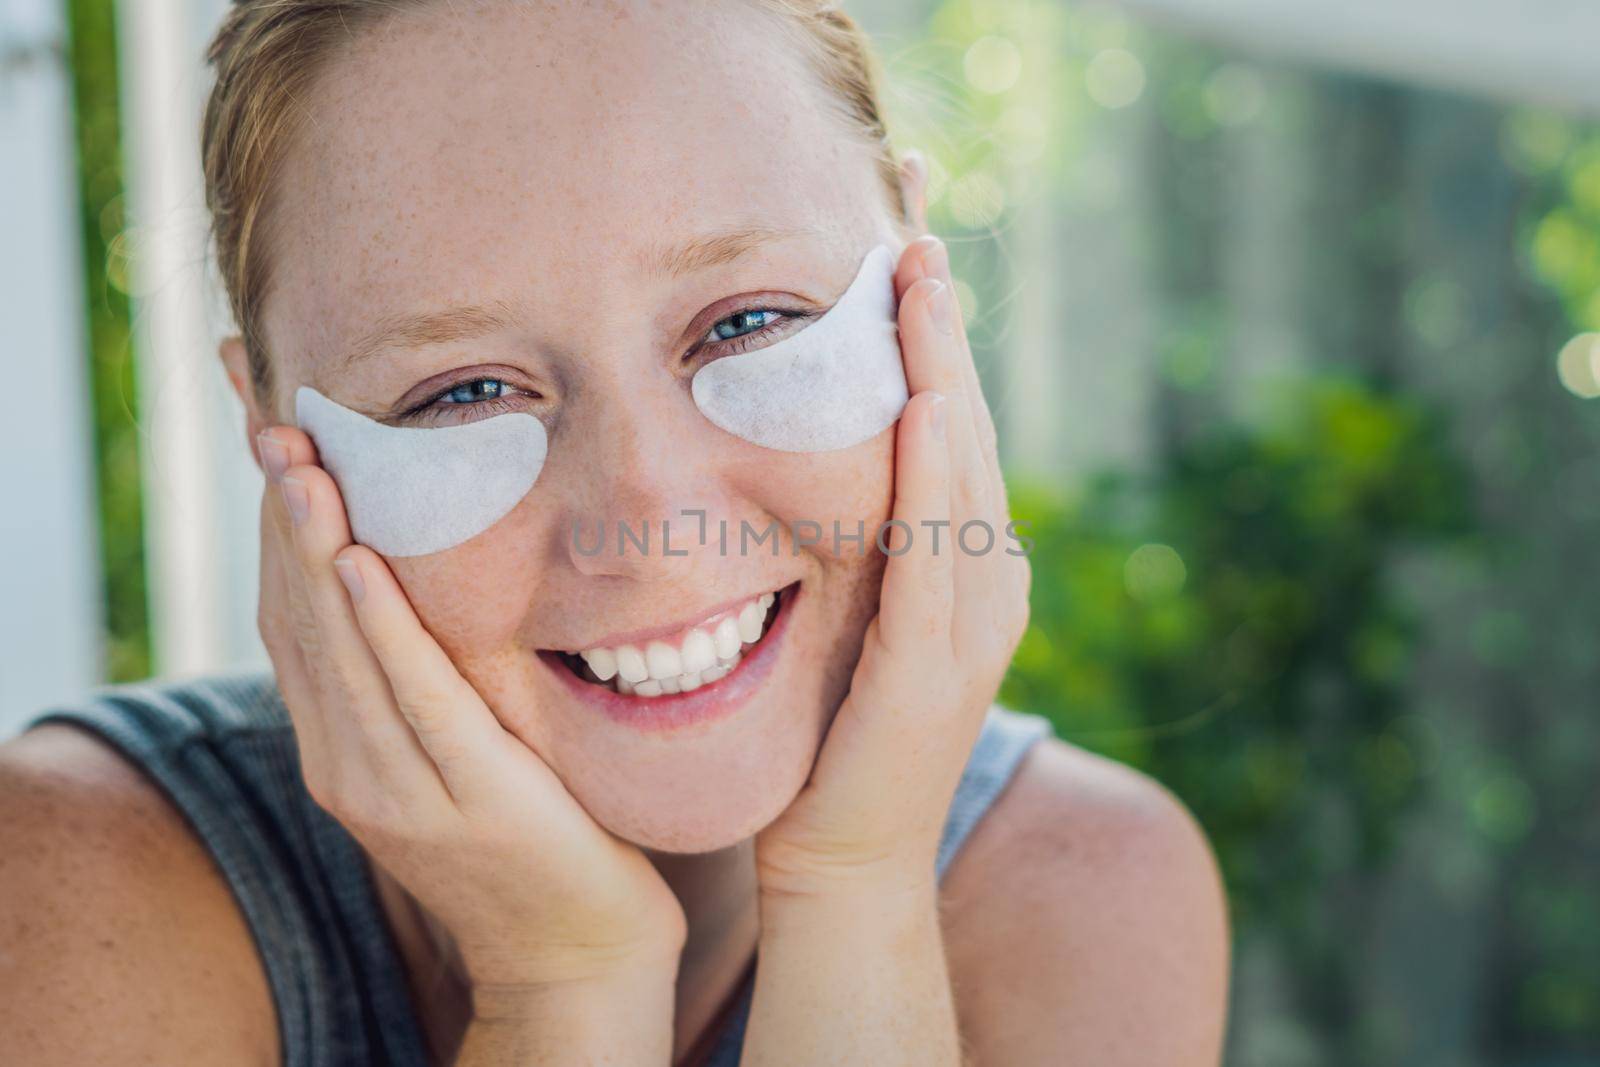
x=630, y=664
x=699, y=652
x=706, y=655
x=727, y=638
x=663, y=660
x=603, y=662
x=750, y=620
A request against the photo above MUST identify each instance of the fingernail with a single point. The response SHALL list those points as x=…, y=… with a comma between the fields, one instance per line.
x=936, y=263
x=274, y=457
x=296, y=499
x=939, y=307
x=937, y=415
x=350, y=575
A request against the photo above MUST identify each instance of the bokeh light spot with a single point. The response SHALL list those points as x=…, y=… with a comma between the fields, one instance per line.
x=1154, y=572
x=992, y=64
x=1114, y=78
x=1503, y=808
x=1576, y=365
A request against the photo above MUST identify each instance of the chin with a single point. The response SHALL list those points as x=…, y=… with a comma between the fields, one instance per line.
x=710, y=805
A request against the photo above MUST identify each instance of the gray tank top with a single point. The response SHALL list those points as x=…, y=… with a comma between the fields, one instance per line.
x=222, y=749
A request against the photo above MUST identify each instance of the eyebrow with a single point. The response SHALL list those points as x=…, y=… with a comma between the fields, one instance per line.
x=432, y=328
x=414, y=330
x=722, y=246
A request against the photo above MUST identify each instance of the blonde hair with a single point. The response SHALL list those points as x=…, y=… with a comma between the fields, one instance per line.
x=267, y=53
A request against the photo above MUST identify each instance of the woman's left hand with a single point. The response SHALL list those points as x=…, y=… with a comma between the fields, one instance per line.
x=951, y=612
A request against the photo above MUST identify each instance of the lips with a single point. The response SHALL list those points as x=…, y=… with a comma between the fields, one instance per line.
x=698, y=655
x=660, y=700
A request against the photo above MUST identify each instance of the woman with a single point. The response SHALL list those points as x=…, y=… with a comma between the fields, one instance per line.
x=471, y=818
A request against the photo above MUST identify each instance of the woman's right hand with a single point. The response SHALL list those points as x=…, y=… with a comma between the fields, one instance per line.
x=402, y=751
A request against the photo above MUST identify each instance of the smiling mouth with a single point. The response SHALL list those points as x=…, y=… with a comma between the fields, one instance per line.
x=706, y=654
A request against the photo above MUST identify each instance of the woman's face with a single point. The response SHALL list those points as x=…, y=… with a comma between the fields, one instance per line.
x=606, y=188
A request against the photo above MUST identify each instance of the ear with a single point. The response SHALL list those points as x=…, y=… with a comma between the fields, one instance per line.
x=236, y=361
x=914, y=187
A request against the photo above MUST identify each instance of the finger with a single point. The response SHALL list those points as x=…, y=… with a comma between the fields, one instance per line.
x=1001, y=579
x=918, y=581
x=912, y=266
x=280, y=447
x=933, y=358
x=275, y=625
x=932, y=260
x=340, y=763
x=355, y=687
x=451, y=721
x=908, y=641
x=933, y=361
x=334, y=755
x=930, y=362
x=1007, y=577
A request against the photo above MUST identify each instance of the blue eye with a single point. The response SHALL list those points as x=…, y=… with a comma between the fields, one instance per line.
x=469, y=400
x=475, y=391
x=742, y=322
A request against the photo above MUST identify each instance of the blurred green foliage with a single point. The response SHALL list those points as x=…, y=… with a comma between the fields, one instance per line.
x=110, y=358
x=1563, y=238
x=1229, y=625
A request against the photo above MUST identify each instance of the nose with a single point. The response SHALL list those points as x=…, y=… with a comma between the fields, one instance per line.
x=647, y=487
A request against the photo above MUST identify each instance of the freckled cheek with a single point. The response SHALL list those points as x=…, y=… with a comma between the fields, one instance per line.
x=852, y=487
x=476, y=597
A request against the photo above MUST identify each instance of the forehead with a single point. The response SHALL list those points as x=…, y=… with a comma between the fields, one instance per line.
x=469, y=152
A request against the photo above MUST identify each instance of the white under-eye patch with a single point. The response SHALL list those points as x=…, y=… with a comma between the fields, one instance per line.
x=836, y=383
x=410, y=491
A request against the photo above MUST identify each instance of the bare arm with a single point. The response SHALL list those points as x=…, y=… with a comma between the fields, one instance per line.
x=1085, y=922
x=121, y=943
x=119, y=939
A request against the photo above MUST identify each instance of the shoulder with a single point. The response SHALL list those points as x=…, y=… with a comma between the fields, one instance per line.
x=122, y=941
x=1086, y=921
